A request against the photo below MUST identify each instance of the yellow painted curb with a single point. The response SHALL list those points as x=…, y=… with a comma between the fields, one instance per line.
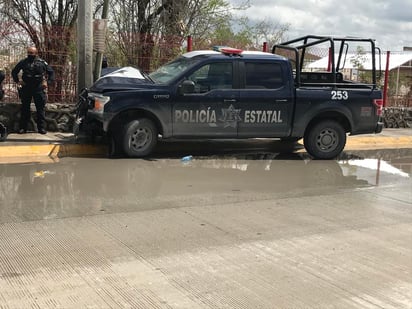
x=27, y=150
x=28, y=159
x=52, y=150
x=81, y=150
x=380, y=142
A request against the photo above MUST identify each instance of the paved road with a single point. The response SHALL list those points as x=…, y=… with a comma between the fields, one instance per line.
x=242, y=229
x=243, y=226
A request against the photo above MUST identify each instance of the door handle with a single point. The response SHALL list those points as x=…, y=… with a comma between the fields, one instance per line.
x=229, y=100
x=281, y=100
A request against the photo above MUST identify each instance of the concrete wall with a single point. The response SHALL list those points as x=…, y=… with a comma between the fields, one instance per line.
x=59, y=117
x=398, y=117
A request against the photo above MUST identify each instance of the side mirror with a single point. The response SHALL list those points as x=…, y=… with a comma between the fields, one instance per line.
x=187, y=86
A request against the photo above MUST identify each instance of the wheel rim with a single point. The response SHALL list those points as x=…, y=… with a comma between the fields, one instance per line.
x=140, y=138
x=327, y=140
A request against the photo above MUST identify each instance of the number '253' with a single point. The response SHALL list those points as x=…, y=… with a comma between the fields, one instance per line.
x=339, y=95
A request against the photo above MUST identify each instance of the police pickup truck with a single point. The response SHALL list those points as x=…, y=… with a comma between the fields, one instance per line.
x=233, y=94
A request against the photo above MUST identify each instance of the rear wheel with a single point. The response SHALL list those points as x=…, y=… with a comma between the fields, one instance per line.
x=325, y=140
x=140, y=137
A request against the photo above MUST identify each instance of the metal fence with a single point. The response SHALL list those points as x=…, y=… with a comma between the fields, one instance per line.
x=145, y=51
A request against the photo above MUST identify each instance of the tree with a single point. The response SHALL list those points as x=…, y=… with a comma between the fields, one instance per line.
x=357, y=61
x=141, y=28
x=206, y=19
x=50, y=25
x=270, y=31
x=249, y=35
x=136, y=27
x=144, y=30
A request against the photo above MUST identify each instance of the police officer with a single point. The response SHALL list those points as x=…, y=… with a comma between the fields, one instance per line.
x=37, y=74
x=3, y=130
x=2, y=76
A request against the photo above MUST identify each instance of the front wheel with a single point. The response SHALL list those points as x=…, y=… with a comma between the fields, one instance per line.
x=140, y=137
x=325, y=140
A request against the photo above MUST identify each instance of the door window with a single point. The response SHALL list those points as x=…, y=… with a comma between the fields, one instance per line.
x=263, y=76
x=213, y=76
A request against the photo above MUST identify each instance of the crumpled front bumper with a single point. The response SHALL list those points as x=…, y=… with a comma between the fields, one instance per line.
x=81, y=111
x=86, y=122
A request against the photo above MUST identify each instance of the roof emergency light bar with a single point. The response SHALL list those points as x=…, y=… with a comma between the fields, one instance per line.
x=229, y=51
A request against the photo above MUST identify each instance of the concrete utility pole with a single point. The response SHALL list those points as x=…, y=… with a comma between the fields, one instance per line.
x=99, y=55
x=85, y=45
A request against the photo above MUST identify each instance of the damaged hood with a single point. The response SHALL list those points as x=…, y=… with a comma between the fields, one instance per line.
x=121, y=79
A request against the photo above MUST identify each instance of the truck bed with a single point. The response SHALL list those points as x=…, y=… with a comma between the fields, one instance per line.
x=328, y=79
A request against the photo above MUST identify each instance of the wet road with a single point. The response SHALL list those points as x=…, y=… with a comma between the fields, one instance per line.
x=228, y=229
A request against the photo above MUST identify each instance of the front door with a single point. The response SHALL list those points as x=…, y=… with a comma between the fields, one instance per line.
x=209, y=110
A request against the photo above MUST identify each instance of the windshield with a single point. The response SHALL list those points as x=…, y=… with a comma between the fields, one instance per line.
x=169, y=71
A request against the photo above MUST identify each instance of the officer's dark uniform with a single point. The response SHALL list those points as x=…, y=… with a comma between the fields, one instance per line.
x=2, y=76
x=35, y=72
x=3, y=130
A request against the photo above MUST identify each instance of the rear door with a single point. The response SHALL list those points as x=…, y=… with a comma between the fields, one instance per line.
x=265, y=100
x=207, y=111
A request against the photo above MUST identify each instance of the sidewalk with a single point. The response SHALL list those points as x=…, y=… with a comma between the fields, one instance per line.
x=54, y=145
x=45, y=148
x=387, y=139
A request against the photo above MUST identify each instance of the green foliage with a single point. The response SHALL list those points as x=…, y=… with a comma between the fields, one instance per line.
x=225, y=35
x=243, y=33
x=357, y=61
x=143, y=30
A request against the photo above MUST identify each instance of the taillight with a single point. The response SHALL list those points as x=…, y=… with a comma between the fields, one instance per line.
x=379, y=106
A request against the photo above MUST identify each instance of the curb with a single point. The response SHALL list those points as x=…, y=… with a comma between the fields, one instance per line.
x=16, y=153
x=47, y=153
x=381, y=142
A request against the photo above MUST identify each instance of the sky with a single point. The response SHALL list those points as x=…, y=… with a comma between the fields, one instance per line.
x=389, y=22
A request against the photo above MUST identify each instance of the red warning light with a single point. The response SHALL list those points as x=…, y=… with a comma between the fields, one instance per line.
x=230, y=51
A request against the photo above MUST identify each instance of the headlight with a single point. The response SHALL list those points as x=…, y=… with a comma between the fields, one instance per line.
x=98, y=102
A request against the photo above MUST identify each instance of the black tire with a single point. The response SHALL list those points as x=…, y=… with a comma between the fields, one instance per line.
x=140, y=137
x=114, y=149
x=325, y=140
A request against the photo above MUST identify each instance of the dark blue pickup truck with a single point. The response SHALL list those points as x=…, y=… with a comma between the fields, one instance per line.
x=235, y=94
